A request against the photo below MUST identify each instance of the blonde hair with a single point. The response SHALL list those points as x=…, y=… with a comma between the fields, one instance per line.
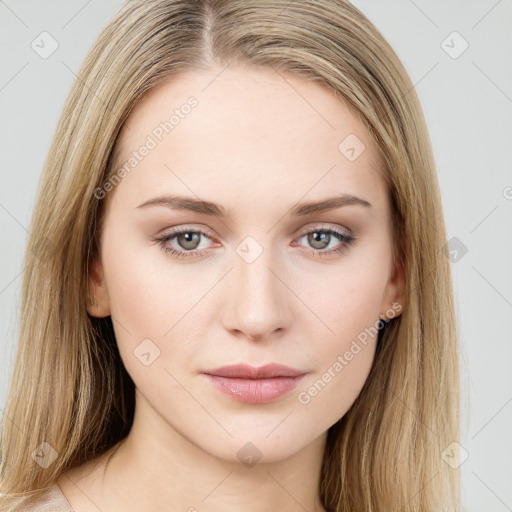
x=69, y=387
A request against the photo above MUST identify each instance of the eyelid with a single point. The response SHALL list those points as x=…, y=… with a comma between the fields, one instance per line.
x=204, y=230
x=184, y=228
x=326, y=226
x=344, y=235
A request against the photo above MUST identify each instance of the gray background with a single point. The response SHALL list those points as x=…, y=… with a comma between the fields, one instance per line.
x=467, y=99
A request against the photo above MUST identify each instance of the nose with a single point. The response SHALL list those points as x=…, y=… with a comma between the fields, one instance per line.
x=258, y=304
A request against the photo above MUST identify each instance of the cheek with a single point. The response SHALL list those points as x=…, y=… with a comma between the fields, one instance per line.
x=330, y=394
x=346, y=295
x=346, y=307
x=157, y=308
x=344, y=357
x=152, y=312
x=149, y=293
x=345, y=300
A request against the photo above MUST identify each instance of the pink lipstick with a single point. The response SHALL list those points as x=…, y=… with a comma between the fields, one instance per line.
x=255, y=385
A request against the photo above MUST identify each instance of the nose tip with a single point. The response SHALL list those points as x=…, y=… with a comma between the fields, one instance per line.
x=258, y=335
x=257, y=305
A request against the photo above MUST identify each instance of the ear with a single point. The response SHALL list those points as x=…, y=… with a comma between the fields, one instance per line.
x=393, y=300
x=98, y=302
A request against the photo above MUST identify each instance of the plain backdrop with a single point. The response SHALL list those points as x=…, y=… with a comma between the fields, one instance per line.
x=458, y=54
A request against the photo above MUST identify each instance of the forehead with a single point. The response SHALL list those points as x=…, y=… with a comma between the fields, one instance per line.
x=250, y=130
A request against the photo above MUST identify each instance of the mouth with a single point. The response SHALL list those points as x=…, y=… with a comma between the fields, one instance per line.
x=254, y=385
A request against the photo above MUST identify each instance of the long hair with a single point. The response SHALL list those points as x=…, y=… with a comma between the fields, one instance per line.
x=69, y=388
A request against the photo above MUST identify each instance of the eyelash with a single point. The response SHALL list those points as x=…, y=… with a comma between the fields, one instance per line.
x=345, y=239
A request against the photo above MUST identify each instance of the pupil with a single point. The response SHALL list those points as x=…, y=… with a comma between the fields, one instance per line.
x=187, y=240
x=322, y=238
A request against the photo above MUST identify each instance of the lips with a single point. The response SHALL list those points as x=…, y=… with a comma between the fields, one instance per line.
x=253, y=385
x=245, y=371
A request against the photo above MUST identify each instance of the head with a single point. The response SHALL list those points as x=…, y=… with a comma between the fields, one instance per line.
x=249, y=112
x=255, y=286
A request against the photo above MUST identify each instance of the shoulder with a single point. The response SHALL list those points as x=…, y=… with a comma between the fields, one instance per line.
x=51, y=500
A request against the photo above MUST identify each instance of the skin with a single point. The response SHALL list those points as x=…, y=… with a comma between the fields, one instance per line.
x=257, y=143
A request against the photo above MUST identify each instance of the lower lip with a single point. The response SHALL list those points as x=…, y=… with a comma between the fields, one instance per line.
x=254, y=391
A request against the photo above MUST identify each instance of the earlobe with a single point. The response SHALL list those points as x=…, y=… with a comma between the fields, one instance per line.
x=394, y=297
x=98, y=302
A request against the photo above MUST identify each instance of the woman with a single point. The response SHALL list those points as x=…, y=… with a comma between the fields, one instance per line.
x=236, y=293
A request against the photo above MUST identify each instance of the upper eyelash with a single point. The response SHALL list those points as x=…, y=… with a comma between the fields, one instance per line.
x=345, y=239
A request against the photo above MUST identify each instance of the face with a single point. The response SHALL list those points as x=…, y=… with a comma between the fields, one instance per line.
x=256, y=274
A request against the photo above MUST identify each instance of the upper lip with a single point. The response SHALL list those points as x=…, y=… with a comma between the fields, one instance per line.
x=246, y=371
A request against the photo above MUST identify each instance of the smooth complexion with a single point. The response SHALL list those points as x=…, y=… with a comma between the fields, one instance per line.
x=258, y=144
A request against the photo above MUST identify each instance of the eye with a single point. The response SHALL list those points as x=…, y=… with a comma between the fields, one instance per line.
x=183, y=242
x=187, y=242
x=320, y=238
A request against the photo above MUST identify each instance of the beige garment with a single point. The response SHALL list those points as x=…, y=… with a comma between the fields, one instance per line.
x=51, y=501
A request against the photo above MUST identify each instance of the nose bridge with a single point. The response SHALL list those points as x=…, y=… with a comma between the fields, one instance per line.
x=257, y=302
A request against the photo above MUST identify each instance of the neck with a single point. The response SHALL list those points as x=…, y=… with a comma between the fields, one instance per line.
x=157, y=468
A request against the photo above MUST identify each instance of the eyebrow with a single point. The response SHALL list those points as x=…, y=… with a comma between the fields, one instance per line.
x=176, y=202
